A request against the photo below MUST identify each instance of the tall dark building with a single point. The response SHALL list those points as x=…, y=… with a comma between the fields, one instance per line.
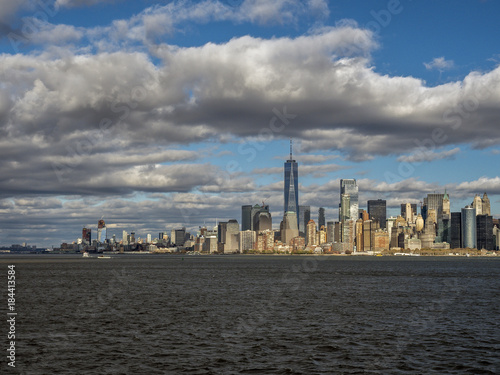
x=246, y=217
x=321, y=217
x=456, y=230
x=484, y=227
x=304, y=217
x=377, y=210
x=291, y=190
x=180, y=236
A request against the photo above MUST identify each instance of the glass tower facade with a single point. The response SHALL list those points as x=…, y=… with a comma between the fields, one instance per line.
x=350, y=187
x=291, y=186
x=484, y=225
x=469, y=227
x=304, y=217
x=291, y=191
x=456, y=230
x=377, y=210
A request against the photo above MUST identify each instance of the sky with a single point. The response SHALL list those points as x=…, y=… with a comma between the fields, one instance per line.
x=158, y=115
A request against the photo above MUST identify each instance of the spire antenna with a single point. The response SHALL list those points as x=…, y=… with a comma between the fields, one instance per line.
x=290, y=148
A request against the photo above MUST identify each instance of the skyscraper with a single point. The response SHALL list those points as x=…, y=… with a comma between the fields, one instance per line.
x=246, y=217
x=87, y=236
x=330, y=231
x=249, y=213
x=101, y=231
x=433, y=202
x=304, y=217
x=377, y=210
x=477, y=203
x=486, y=205
x=291, y=191
x=469, y=227
x=484, y=226
x=456, y=230
x=262, y=220
x=350, y=187
x=311, y=233
x=290, y=228
x=413, y=210
x=321, y=217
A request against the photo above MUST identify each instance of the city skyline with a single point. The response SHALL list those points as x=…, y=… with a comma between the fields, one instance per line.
x=156, y=116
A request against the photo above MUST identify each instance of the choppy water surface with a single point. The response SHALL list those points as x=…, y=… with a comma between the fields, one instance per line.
x=256, y=315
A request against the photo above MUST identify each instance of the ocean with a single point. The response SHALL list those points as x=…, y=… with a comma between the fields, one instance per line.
x=173, y=314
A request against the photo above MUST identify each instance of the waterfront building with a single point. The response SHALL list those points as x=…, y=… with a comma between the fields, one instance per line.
x=330, y=231
x=101, y=231
x=179, y=236
x=477, y=204
x=125, y=237
x=381, y=240
x=408, y=213
x=321, y=236
x=484, y=232
x=377, y=210
x=86, y=236
x=246, y=217
x=304, y=217
x=321, y=217
x=456, y=230
x=262, y=219
x=468, y=229
x=311, y=234
x=363, y=215
x=349, y=187
x=290, y=227
x=433, y=202
x=337, y=232
x=210, y=244
x=446, y=205
x=249, y=220
x=486, y=209
x=265, y=241
x=247, y=240
x=419, y=223
x=359, y=235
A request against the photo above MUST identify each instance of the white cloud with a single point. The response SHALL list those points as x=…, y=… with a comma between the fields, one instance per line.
x=439, y=63
x=428, y=155
x=79, y=3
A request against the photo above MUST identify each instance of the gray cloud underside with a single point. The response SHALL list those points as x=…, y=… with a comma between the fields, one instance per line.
x=77, y=111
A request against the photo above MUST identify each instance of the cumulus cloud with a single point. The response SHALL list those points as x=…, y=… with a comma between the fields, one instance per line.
x=104, y=124
x=61, y=105
x=439, y=63
x=426, y=155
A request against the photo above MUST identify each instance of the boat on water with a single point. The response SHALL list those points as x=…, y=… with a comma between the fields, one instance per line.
x=103, y=257
x=85, y=254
